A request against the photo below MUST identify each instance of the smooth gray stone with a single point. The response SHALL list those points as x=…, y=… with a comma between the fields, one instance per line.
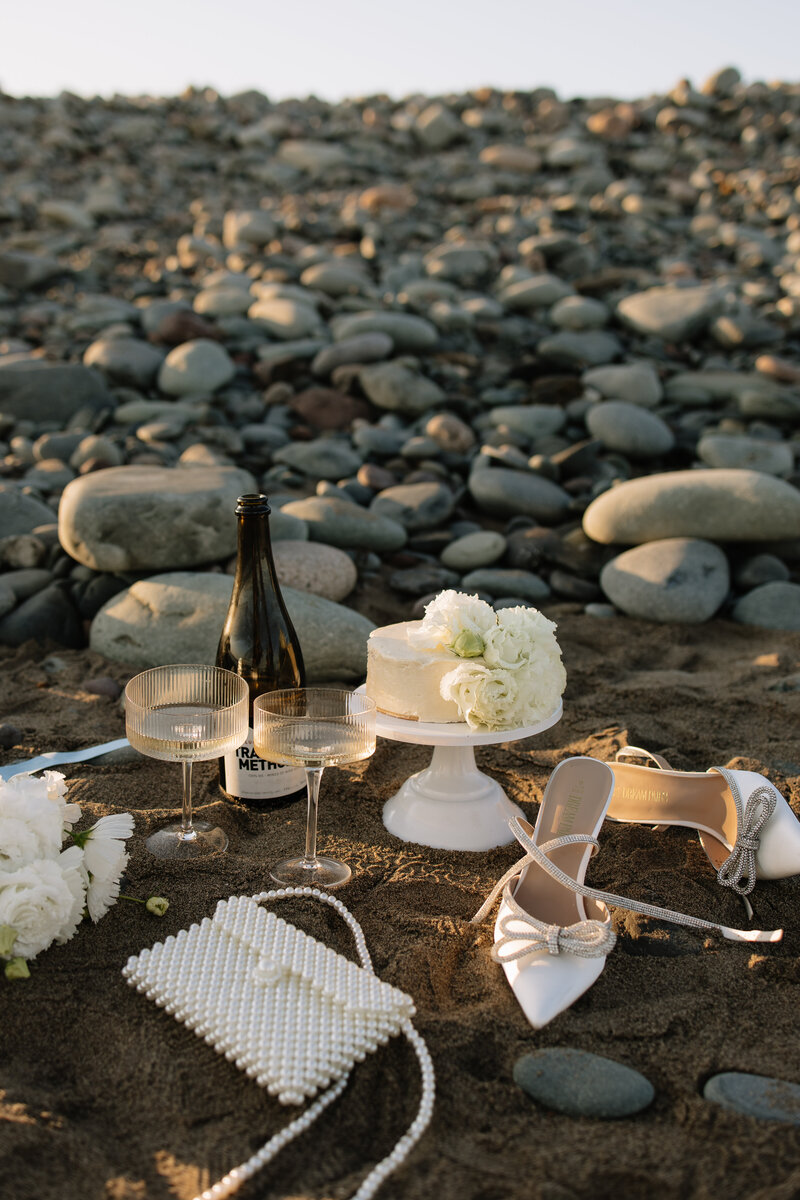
x=284, y=527
x=149, y=518
x=720, y=505
x=366, y=348
x=738, y=450
x=538, y=291
x=57, y=445
x=195, y=367
x=49, y=475
x=415, y=505
x=35, y=390
x=761, y=568
x=532, y=420
x=581, y=1084
x=25, y=582
x=129, y=361
x=498, y=582
x=7, y=598
x=21, y=270
x=758, y=1096
x=20, y=513
x=630, y=430
x=286, y=318
x=322, y=458
x=588, y=349
x=637, y=383
x=771, y=606
x=397, y=388
x=508, y=493
x=672, y=313
x=407, y=332
x=579, y=313
x=177, y=617
x=47, y=614
x=676, y=581
x=424, y=580
x=770, y=405
x=345, y=524
x=156, y=311
x=474, y=550
x=719, y=384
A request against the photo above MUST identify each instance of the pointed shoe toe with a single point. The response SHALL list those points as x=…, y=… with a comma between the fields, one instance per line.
x=777, y=853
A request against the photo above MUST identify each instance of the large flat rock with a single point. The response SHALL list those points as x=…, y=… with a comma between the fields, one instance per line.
x=177, y=617
x=725, y=505
x=152, y=518
x=34, y=390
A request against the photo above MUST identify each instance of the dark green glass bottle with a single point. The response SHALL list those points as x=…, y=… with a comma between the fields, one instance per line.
x=259, y=643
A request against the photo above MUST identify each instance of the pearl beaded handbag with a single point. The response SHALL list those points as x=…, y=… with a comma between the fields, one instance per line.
x=289, y=1011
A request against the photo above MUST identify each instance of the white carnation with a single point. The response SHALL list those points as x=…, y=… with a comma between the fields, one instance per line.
x=521, y=636
x=449, y=615
x=43, y=902
x=487, y=699
x=33, y=818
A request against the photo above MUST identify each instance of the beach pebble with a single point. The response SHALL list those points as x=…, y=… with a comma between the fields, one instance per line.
x=587, y=348
x=284, y=318
x=538, y=291
x=637, y=383
x=531, y=420
x=408, y=332
x=505, y=157
x=187, y=512
x=415, y=505
x=437, y=127
x=50, y=475
x=499, y=582
x=339, y=522
x=578, y=313
x=771, y=606
x=508, y=493
x=316, y=568
x=450, y=432
x=177, y=617
x=195, y=367
x=425, y=580
x=397, y=388
x=721, y=505
x=630, y=430
x=675, y=581
x=125, y=360
x=25, y=582
x=102, y=451
x=247, y=227
x=20, y=513
x=102, y=685
x=581, y=1084
x=756, y=454
x=36, y=390
x=474, y=550
x=323, y=458
x=21, y=551
x=672, y=313
x=365, y=348
x=48, y=614
x=761, y=568
x=9, y=735
x=758, y=1096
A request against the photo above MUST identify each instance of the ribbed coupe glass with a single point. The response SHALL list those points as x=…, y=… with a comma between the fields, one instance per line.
x=187, y=712
x=313, y=728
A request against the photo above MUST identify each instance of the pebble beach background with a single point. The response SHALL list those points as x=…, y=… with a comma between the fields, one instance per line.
x=544, y=351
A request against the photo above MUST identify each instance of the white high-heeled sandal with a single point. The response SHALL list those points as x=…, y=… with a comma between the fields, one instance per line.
x=745, y=826
x=551, y=945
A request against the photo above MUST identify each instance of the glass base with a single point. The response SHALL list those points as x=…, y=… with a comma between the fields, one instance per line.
x=322, y=872
x=171, y=842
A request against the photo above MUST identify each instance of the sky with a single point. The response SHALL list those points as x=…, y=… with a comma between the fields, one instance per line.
x=338, y=48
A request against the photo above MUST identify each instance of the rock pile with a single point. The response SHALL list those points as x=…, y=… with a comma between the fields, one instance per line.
x=545, y=350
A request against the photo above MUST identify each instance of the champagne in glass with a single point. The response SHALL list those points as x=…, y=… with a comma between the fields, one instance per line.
x=313, y=728
x=186, y=713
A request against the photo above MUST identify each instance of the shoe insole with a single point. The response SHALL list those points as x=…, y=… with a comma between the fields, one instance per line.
x=574, y=802
x=652, y=797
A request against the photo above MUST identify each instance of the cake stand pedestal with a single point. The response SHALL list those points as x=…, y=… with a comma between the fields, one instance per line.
x=451, y=805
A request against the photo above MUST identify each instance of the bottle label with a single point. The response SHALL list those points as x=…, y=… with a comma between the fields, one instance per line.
x=253, y=778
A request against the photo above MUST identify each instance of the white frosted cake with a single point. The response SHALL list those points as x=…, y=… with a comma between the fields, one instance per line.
x=404, y=680
x=464, y=662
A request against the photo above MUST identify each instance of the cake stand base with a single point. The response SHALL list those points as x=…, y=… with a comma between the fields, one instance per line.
x=451, y=805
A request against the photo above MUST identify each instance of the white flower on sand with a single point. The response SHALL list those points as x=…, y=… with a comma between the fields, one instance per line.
x=33, y=818
x=43, y=902
x=104, y=860
x=451, y=615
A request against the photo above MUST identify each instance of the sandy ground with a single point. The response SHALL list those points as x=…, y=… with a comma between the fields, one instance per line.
x=104, y=1097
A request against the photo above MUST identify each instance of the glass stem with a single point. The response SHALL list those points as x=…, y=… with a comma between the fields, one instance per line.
x=187, y=833
x=313, y=777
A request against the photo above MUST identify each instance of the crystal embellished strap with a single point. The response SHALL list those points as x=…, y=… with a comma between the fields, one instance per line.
x=537, y=853
x=231, y=1182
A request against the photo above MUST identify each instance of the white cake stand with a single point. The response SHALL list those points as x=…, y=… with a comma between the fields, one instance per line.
x=451, y=805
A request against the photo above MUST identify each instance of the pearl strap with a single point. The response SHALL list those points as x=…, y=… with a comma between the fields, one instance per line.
x=289, y=1011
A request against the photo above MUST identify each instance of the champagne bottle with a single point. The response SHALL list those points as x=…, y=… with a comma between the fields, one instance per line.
x=259, y=643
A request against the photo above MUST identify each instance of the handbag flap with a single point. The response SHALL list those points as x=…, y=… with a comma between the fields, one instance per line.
x=281, y=949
